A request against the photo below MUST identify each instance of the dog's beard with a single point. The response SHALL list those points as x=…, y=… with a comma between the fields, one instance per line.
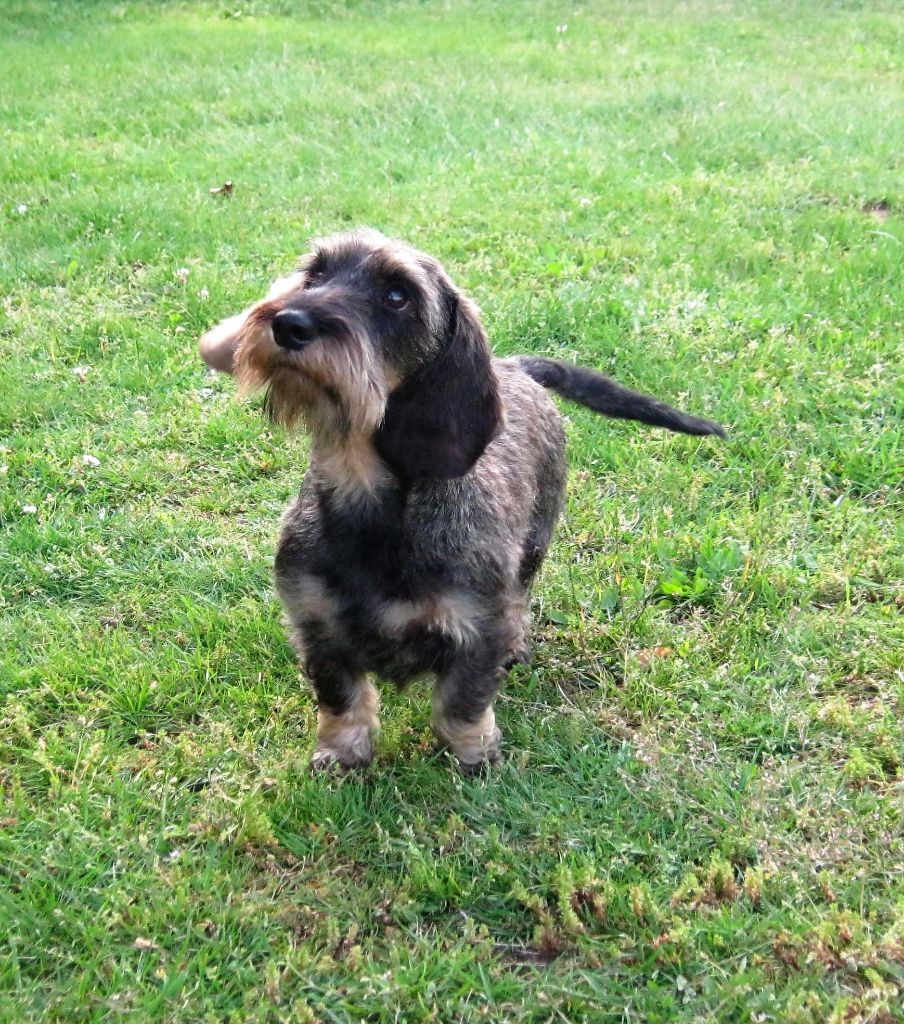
x=334, y=386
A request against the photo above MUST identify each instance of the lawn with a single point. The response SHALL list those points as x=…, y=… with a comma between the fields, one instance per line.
x=699, y=815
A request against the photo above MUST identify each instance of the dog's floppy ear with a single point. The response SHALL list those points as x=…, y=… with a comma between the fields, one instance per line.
x=442, y=416
x=218, y=346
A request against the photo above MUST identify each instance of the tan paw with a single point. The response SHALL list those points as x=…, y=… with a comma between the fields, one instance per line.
x=475, y=744
x=347, y=739
x=355, y=756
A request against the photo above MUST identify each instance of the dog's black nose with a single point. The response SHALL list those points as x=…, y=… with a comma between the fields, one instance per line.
x=293, y=328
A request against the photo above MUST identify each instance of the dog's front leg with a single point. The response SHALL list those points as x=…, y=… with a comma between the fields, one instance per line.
x=463, y=716
x=346, y=715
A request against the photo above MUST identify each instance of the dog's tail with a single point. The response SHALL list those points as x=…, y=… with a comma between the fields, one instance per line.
x=604, y=395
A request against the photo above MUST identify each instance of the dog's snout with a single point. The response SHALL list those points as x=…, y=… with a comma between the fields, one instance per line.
x=293, y=328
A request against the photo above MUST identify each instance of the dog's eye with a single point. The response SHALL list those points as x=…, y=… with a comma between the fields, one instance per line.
x=395, y=298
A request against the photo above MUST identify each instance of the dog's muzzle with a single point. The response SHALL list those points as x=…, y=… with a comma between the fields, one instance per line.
x=294, y=328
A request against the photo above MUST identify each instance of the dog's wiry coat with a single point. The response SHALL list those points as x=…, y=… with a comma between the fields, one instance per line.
x=437, y=474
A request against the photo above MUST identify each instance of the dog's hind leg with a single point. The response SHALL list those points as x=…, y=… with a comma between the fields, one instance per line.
x=547, y=506
x=519, y=612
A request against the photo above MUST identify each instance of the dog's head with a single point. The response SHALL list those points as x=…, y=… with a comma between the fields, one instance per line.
x=374, y=339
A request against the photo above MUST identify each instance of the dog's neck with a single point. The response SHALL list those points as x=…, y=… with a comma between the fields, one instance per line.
x=350, y=468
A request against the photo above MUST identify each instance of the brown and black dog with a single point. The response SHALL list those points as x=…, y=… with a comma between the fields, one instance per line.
x=436, y=477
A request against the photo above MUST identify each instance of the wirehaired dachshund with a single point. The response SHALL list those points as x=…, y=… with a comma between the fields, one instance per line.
x=436, y=476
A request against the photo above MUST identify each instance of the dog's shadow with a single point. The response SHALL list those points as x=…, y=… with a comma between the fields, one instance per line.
x=551, y=769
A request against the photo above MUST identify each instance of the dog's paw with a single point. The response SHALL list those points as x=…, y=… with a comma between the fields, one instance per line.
x=475, y=743
x=476, y=754
x=492, y=755
x=347, y=739
x=520, y=656
x=327, y=758
x=324, y=761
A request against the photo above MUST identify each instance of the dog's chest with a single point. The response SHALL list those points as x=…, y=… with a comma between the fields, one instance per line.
x=363, y=577
x=366, y=547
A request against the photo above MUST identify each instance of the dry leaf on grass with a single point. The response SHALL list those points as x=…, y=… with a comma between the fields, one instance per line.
x=648, y=655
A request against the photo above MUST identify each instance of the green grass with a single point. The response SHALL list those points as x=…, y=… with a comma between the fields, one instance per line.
x=700, y=813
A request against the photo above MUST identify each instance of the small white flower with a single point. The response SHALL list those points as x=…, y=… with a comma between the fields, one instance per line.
x=81, y=372
x=179, y=330
x=203, y=294
x=22, y=208
x=29, y=509
x=182, y=275
x=584, y=201
x=561, y=28
x=90, y=460
x=205, y=393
